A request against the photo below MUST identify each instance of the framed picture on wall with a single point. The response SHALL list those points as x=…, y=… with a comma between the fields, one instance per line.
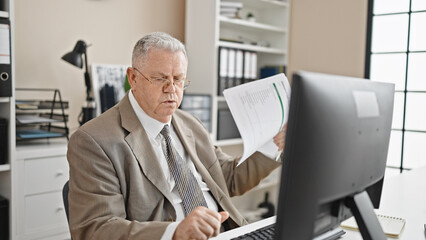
x=108, y=85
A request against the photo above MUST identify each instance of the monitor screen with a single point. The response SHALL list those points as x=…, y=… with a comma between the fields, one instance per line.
x=335, y=155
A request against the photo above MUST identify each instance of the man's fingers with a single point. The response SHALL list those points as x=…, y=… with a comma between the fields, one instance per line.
x=224, y=215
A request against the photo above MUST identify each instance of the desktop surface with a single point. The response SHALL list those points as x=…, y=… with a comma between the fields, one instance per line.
x=403, y=196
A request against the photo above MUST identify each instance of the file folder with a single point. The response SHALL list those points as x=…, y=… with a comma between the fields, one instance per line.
x=253, y=67
x=5, y=59
x=239, y=67
x=231, y=68
x=247, y=66
x=223, y=70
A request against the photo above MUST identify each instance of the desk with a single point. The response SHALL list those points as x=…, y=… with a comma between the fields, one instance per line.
x=403, y=196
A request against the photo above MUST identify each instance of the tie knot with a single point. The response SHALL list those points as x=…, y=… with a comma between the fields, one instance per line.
x=165, y=131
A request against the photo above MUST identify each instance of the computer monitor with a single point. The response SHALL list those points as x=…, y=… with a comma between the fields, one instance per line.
x=335, y=155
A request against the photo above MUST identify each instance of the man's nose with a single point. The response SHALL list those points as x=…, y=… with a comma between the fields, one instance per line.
x=170, y=86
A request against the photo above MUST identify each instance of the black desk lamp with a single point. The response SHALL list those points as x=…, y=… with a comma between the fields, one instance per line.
x=75, y=58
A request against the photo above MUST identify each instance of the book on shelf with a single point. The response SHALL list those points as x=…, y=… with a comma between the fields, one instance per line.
x=392, y=226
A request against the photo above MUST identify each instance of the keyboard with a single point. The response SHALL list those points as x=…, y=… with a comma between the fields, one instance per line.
x=264, y=233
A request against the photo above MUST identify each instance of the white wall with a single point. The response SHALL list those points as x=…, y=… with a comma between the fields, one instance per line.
x=47, y=29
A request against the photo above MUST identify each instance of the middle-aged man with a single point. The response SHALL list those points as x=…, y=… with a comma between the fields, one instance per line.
x=146, y=170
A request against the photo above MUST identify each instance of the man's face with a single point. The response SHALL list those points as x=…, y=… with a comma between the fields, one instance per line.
x=158, y=101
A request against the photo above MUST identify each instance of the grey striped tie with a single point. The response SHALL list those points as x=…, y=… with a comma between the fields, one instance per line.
x=187, y=185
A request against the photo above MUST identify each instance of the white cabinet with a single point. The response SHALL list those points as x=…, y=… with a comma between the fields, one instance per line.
x=206, y=31
x=41, y=172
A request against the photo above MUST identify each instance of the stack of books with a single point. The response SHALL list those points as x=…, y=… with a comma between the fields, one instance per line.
x=230, y=9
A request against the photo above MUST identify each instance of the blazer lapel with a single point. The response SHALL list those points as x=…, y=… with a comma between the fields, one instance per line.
x=138, y=141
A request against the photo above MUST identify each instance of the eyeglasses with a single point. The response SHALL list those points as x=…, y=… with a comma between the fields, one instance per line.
x=181, y=83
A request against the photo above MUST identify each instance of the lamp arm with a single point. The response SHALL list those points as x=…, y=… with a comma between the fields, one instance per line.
x=87, y=78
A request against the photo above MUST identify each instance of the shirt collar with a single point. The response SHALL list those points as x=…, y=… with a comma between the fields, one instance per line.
x=151, y=125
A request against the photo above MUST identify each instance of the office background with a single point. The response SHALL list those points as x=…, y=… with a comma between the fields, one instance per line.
x=326, y=36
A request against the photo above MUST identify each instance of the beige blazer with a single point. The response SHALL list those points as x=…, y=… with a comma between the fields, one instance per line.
x=118, y=190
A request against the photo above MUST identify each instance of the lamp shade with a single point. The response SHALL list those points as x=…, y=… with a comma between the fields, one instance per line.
x=75, y=56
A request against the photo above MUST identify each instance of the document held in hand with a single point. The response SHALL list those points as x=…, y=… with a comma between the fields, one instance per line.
x=260, y=110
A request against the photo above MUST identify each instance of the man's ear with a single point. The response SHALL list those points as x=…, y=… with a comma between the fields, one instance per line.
x=131, y=77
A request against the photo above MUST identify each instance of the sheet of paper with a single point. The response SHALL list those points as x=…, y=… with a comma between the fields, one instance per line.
x=260, y=110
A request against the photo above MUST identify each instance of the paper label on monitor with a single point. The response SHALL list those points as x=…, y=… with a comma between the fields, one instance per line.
x=366, y=104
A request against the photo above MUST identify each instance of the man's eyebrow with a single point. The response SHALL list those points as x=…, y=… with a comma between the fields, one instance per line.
x=166, y=75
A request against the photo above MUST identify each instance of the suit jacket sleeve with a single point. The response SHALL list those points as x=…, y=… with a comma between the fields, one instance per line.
x=97, y=206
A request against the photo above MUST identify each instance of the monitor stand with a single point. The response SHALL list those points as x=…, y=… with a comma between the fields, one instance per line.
x=331, y=235
x=368, y=224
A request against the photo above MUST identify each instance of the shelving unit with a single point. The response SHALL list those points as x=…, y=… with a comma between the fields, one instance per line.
x=207, y=30
x=7, y=111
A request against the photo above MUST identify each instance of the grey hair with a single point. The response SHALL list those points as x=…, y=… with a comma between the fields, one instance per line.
x=156, y=40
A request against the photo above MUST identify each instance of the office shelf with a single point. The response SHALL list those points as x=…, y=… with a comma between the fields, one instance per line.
x=265, y=4
x=249, y=26
x=207, y=31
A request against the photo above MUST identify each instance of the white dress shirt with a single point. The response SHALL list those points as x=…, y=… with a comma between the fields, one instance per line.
x=153, y=128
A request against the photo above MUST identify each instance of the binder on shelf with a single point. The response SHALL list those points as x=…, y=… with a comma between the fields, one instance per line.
x=3, y=141
x=247, y=67
x=268, y=71
x=253, y=67
x=5, y=59
x=223, y=70
x=231, y=68
x=239, y=67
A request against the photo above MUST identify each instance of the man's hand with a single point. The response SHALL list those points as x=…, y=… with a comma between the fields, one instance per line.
x=201, y=223
x=279, y=139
